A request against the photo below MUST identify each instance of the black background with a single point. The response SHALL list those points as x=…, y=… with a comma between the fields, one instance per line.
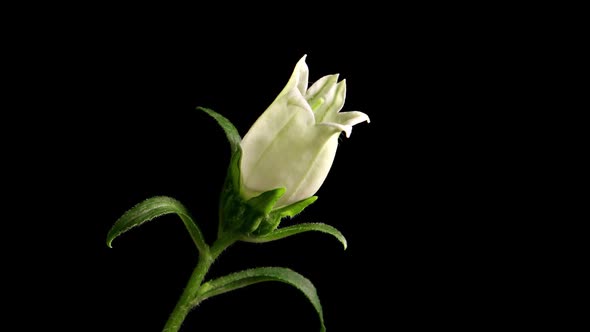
x=418, y=192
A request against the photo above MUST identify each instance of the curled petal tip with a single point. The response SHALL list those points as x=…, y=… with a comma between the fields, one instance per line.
x=347, y=129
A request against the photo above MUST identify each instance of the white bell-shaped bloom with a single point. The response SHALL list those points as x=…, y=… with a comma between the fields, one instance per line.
x=293, y=143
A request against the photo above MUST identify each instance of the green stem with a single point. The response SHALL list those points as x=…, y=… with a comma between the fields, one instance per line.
x=184, y=303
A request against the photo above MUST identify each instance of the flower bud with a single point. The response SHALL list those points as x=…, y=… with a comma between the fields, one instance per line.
x=293, y=143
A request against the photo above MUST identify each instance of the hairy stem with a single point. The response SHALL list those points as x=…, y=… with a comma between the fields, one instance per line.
x=196, y=279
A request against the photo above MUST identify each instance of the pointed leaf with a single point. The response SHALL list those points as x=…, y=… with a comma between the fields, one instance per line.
x=230, y=130
x=231, y=205
x=265, y=201
x=273, y=220
x=231, y=209
x=253, y=276
x=258, y=208
x=152, y=208
x=296, y=229
x=295, y=208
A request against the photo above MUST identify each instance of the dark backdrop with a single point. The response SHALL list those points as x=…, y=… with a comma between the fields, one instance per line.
x=414, y=192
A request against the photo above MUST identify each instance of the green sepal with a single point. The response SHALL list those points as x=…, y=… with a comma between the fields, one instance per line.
x=230, y=130
x=249, y=277
x=231, y=207
x=231, y=204
x=272, y=221
x=295, y=208
x=244, y=216
x=259, y=207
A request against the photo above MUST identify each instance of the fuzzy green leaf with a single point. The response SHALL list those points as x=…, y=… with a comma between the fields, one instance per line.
x=152, y=208
x=231, y=207
x=296, y=229
x=230, y=130
x=253, y=276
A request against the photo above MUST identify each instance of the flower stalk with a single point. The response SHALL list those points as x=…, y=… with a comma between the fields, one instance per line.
x=186, y=301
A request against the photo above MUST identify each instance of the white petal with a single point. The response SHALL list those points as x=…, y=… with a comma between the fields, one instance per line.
x=337, y=102
x=303, y=70
x=285, y=157
x=338, y=127
x=321, y=95
x=317, y=88
x=288, y=110
x=317, y=170
x=352, y=118
x=345, y=121
x=299, y=78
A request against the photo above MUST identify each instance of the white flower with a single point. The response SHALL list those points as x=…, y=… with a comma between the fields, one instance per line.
x=293, y=143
